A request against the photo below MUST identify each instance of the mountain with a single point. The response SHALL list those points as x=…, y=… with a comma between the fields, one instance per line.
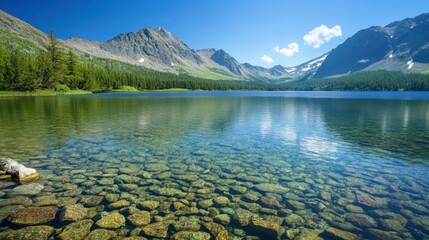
x=160, y=50
x=224, y=59
x=156, y=49
x=399, y=46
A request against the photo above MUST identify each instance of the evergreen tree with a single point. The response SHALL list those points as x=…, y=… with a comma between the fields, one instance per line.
x=56, y=55
x=74, y=76
x=44, y=68
x=4, y=61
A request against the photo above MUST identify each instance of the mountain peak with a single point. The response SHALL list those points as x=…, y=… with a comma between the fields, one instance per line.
x=224, y=59
x=376, y=48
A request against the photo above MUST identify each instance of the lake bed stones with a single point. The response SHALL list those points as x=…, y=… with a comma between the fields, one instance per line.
x=217, y=230
x=33, y=215
x=147, y=205
x=242, y=217
x=158, y=230
x=26, y=233
x=27, y=189
x=101, y=234
x=112, y=220
x=269, y=226
x=377, y=234
x=91, y=200
x=361, y=220
x=76, y=230
x=271, y=188
x=335, y=233
x=191, y=235
x=140, y=218
x=74, y=212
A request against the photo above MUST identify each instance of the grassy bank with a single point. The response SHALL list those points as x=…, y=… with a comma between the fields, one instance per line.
x=172, y=90
x=42, y=93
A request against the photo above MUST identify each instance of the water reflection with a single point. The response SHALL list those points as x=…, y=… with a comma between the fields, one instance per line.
x=313, y=125
x=397, y=126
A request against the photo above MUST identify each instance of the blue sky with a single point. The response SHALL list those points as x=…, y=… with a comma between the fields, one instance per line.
x=247, y=29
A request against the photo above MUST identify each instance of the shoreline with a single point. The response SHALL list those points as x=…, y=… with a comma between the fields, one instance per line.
x=42, y=93
x=47, y=93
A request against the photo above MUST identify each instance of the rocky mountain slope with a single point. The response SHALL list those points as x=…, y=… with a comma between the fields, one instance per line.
x=399, y=46
x=21, y=28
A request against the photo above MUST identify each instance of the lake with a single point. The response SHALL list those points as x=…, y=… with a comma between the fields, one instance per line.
x=344, y=165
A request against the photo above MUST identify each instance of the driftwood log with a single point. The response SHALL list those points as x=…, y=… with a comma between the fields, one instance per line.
x=15, y=169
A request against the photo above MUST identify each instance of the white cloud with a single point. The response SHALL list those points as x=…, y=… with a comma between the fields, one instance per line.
x=320, y=35
x=291, y=49
x=266, y=59
x=363, y=61
x=141, y=60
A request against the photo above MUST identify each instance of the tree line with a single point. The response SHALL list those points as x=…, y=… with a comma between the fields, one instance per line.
x=381, y=80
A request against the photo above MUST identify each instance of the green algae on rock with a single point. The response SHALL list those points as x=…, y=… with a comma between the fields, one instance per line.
x=33, y=215
x=112, y=220
x=31, y=232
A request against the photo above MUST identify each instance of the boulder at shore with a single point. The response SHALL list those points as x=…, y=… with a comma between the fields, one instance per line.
x=15, y=169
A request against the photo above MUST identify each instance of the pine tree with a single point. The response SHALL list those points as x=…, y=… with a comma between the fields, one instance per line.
x=56, y=55
x=4, y=61
x=74, y=75
x=44, y=68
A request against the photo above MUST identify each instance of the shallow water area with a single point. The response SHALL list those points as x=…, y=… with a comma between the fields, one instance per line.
x=288, y=165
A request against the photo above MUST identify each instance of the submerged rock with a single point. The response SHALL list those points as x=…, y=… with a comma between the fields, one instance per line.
x=112, y=220
x=159, y=229
x=33, y=215
x=183, y=235
x=187, y=223
x=147, y=205
x=19, y=200
x=91, y=200
x=205, y=203
x=221, y=201
x=270, y=202
x=31, y=232
x=140, y=218
x=217, y=230
x=7, y=210
x=101, y=234
x=335, y=233
x=222, y=218
x=271, y=188
x=28, y=189
x=169, y=192
x=294, y=220
x=361, y=220
x=369, y=201
x=119, y=204
x=76, y=230
x=242, y=217
x=377, y=234
x=74, y=212
x=269, y=226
